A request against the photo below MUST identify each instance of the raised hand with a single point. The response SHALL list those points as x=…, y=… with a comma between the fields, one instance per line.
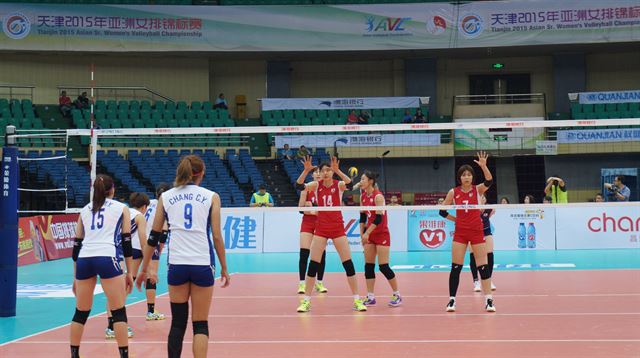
x=482, y=159
x=335, y=164
x=308, y=164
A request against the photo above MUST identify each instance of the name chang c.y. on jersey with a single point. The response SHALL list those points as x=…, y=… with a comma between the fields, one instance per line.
x=101, y=229
x=188, y=211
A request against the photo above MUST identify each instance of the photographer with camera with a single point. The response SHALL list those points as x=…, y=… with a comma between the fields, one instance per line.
x=618, y=191
x=261, y=198
x=557, y=189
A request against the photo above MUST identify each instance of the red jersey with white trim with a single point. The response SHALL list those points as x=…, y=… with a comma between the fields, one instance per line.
x=329, y=196
x=311, y=197
x=370, y=200
x=466, y=218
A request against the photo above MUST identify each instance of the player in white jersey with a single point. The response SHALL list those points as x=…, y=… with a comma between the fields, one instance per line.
x=193, y=214
x=150, y=287
x=100, y=225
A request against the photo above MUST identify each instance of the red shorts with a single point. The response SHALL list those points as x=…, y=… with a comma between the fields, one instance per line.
x=382, y=238
x=465, y=236
x=329, y=233
x=308, y=224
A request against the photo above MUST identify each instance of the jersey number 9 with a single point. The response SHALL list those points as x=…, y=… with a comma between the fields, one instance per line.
x=100, y=222
x=188, y=216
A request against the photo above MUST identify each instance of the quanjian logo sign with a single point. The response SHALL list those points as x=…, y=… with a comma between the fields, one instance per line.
x=386, y=26
x=16, y=25
x=471, y=25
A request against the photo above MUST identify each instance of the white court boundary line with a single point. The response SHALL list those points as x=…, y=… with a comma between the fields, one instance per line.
x=415, y=341
x=406, y=315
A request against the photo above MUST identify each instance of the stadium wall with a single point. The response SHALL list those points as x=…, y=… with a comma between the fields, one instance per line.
x=247, y=77
x=613, y=71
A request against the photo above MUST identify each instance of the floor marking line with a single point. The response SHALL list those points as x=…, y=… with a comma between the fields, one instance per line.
x=417, y=315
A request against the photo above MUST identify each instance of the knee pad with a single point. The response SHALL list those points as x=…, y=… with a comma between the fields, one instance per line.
x=201, y=327
x=304, y=255
x=81, y=316
x=387, y=271
x=484, y=271
x=348, y=268
x=313, y=268
x=150, y=286
x=456, y=268
x=369, y=271
x=179, y=315
x=119, y=315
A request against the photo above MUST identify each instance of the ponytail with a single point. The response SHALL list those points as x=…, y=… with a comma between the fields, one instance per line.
x=189, y=168
x=101, y=187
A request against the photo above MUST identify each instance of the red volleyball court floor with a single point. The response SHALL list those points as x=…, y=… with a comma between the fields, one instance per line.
x=540, y=314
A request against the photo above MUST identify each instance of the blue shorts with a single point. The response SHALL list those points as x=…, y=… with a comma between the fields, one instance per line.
x=103, y=266
x=487, y=231
x=200, y=275
x=137, y=254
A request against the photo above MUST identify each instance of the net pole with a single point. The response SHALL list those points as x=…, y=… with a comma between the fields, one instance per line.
x=66, y=171
x=9, y=228
x=93, y=159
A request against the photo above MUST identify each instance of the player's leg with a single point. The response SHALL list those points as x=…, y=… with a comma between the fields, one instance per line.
x=458, y=250
x=370, y=253
x=344, y=251
x=303, y=261
x=383, y=262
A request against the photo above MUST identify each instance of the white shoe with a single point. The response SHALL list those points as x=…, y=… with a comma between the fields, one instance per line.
x=489, y=306
x=493, y=287
x=476, y=286
x=451, y=306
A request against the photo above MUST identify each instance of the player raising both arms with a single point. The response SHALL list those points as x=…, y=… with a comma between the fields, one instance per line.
x=329, y=226
x=469, y=229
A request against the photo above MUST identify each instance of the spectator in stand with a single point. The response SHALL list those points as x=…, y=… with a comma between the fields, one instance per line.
x=393, y=201
x=557, y=189
x=546, y=200
x=65, y=104
x=408, y=118
x=419, y=117
x=504, y=200
x=286, y=152
x=353, y=118
x=529, y=199
x=303, y=152
x=363, y=118
x=82, y=102
x=599, y=198
x=221, y=102
x=261, y=198
x=618, y=191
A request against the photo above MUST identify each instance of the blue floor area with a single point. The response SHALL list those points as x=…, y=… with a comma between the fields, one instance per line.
x=42, y=304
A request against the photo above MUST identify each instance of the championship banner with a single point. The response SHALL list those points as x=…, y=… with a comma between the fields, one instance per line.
x=441, y=25
x=359, y=140
x=30, y=243
x=598, y=228
x=609, y=97
x=599, y=135
x=272, y=104
x=58, y=232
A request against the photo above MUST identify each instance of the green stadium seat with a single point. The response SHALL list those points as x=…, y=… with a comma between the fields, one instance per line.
x=76, y=115
x=223, y=114
x=287, y=114
x=183, y=123
x=271, y=122
x=376, y=120
x=159, y=106
x=196, y=122
x=294, y=122
x=196, y=106
x=86, y=114
x=388, y=112
x=201, y=115
x=37, y=124
x=229, y=122
x=611, y=107
x=112, y=106
x=123, y=105
x=317, y=121
x=134, y=115
x=4, y=103
x=331, y=121
x=276, y=114
x=284, y=121
x=376, y=112
x=207, y=106
x=622, y=107
x=217, y=122
x=167, y=115
x=599, y=108
x=587, y=108
x=26, y=104
x=134, y=106
x=138, y=123
x=305, y=122
x=145, y=115
x=579, y=115
x=182, y=105
x=6, y=113
x=17, y=112
x=161, y=123
x=634, y=107
x=207, y=122
x=100, y=115
x=172, y=123
x=575, y=109
x=179, y=114
x=190, y=116
x=127, y=123
x=123, y=115
x=100, y=105
x=170, y=106
x=25, y=123
x=145, y=105
x=299, y=113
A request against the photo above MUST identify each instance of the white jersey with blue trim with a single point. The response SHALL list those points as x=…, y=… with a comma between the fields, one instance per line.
x=188, y=211
x=135, y=240
x=101, y=229
x=150, y=215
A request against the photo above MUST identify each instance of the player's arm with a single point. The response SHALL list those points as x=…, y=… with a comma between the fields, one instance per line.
x=77, y=245
x=142, y=231
x=156, y=237
x=379, y=200
x=270, y=203
x=126, y=247
x=345, y=180
x=488, y=178
x=448, y=201
x=218, y=242
x=547, y=189
x=307, y=168
x=491, y=213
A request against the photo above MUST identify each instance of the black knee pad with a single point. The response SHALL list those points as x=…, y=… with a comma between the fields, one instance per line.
x=313, y=268
x=179, y=315
x=81, y=316
x=387, y=271
x=456, y=268
x=201, y=327
x=119, y=315
x=484, y=271
x=369, y=271
x=150, y=286
x=348, y=268
x=304, y=255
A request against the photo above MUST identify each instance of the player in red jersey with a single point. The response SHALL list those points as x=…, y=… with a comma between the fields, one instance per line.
x=376, y=240
x=329, y=225
x=469, y=229
x=307, y=228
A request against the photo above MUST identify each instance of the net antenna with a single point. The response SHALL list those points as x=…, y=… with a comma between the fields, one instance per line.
x=93, y=160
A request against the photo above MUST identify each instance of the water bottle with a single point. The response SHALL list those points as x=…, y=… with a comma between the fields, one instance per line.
x=522, y=236
x=531, y=236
